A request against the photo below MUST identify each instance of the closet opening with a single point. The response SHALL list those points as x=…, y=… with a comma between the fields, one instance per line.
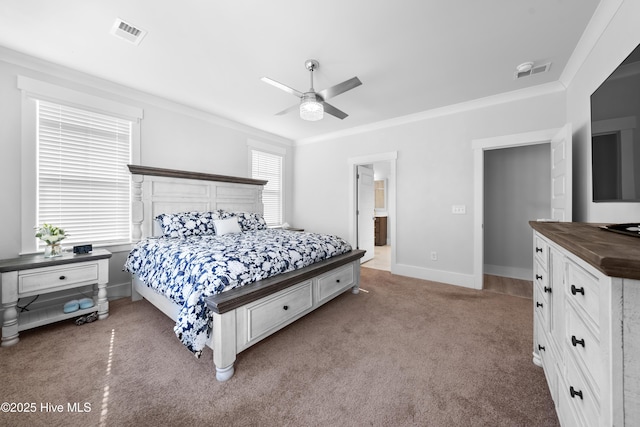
x=517, y=189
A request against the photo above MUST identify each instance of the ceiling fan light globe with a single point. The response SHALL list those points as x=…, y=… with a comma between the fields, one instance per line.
x=311, y=110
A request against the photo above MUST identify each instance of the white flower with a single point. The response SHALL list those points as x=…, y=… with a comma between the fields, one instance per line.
x=50, y=233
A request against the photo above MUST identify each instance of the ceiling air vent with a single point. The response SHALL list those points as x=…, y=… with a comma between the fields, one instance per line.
x=128, y=32
x=528, y=69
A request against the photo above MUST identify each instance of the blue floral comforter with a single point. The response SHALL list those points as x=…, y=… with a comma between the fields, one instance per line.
x=187, y=270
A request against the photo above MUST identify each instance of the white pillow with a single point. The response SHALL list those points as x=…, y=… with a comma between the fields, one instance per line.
x=226, y=226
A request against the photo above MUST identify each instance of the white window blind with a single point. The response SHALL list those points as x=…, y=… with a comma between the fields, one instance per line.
x=83, y=180
x=269, y=167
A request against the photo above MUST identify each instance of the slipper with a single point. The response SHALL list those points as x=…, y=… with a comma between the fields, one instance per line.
x=85, y=303
x=87, y=319
x=71, y=306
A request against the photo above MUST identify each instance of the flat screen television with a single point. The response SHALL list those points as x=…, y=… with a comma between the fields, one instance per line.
x=615, y=138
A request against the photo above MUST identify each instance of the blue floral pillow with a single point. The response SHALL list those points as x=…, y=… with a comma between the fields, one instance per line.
x=249, y=221
x=188, y=223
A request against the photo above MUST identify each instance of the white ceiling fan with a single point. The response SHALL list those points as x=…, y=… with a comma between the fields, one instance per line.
x=313, y=104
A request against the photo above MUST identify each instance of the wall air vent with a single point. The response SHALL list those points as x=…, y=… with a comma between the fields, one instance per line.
x=128, y=32
x=527, y=69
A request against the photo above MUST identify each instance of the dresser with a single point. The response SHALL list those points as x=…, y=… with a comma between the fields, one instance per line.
x=28, y=276
x=586, y=322
x=380, y=230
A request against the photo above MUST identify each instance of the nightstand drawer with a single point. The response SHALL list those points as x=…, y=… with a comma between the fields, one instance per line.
x=39, y=280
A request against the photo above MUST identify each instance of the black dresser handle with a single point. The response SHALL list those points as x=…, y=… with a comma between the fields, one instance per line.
x=576, y=341
x=538, y=249
x=286, y=307
x=547, y=289
x=539, y=304
x=541, y=347
x=575, y=290
x=575, y=392
x=538, y=277
x=63, y=277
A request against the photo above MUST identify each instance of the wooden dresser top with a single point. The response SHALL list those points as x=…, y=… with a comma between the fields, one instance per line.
x=614, y=254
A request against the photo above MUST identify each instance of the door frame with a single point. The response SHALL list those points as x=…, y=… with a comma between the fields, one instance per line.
x=479, y=147
x=353, y=162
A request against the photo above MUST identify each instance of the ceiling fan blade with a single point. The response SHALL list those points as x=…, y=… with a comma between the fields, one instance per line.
x=288, y=110
x=330, y=109
x=340, y=88
x=281, y=86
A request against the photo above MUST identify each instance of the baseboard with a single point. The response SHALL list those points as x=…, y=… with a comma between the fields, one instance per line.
x=120, y=290
x=448, y=277
x=506, y=271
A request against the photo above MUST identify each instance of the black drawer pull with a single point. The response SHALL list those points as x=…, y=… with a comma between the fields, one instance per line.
x=538, y=277
x=575, y=290
x=538, y=249
x=63, y=277
x=539, y=304
x=547, y=289
x=575, y=392
x=541, y=347
x=337, y=280
x=286, y=307
x=576, y=341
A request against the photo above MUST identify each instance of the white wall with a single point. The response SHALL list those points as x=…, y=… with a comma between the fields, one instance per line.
x=619, y=38
x=434, y=171
x=172, y=136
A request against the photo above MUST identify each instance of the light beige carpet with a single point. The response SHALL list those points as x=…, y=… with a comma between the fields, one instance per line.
x=405, y=353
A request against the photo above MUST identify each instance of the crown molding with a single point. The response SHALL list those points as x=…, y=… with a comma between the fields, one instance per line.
x=516, y=95
x=605, y=11
x=74, y=79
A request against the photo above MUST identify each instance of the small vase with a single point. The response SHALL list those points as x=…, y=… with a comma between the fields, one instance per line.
x=54, y=250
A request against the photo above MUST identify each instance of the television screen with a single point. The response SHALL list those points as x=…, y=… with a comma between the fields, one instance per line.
x=615, y=140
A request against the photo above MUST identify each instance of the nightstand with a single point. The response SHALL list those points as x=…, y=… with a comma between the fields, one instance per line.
x=31, y=275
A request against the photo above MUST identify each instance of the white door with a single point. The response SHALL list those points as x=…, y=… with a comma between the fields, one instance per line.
x=561, y=183
x=365, y=212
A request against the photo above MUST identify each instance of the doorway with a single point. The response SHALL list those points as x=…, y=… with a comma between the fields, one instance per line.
x=559, y=141
x=517, y=189
x=384, y=168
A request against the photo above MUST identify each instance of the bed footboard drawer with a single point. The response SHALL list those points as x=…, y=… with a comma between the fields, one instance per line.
x=335, y=282
x=266, y=316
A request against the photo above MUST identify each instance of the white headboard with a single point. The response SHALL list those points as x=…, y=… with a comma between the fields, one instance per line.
x=156, y=191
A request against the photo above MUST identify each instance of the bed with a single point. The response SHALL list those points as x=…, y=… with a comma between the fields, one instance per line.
x=204, y=256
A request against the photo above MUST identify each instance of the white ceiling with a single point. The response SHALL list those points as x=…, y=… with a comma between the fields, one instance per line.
x=411, y=55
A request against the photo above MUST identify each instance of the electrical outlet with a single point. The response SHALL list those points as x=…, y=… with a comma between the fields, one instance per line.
x=434, y=256
x=458, y=209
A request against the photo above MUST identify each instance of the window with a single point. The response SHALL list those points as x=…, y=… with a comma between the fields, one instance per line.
x=268, y=166
x=83, y=183
x=75, y=148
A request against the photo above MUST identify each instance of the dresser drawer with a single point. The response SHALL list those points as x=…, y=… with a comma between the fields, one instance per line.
x=335, y=282
x=576, y=394
x=540, y=251
x=545, y=350
x=540, y=278
x=583, y=292
x=265, y=316
x=584, y=348
x=541, y=304
x=40, y=280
